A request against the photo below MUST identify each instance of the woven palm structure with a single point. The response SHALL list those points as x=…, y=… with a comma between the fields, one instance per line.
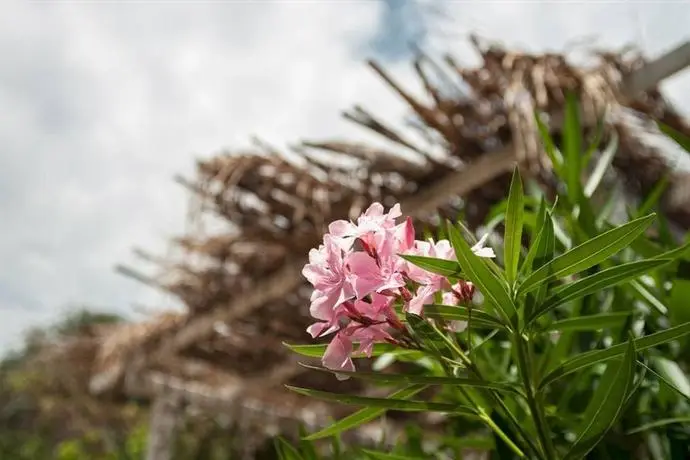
x=242, y=287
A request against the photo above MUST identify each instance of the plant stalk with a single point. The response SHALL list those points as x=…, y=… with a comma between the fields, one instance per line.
x=535, y=407
x=494, y=396
x=509, y=442
x=487, y=419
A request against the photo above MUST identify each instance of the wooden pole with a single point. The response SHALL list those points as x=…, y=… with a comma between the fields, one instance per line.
x=164, y=417
x=658, y=70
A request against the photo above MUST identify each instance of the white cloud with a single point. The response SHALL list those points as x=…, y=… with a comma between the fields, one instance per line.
x=103, y=103
x=107, y=102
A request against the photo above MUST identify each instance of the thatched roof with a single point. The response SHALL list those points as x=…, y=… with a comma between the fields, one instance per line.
x=243, y=289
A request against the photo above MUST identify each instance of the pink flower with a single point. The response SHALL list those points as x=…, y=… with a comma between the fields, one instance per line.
x=368, y=326
x=326, y=272
x=366, y=275
x=424, y=296
x=439, y=250
x=338, y=355
x=355, y=285
x=370, y=228
x=461, y=291
x=431, y=283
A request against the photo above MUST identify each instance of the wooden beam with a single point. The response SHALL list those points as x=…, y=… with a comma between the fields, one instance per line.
x=658, y=70
x=164, y=418
x=286, y=279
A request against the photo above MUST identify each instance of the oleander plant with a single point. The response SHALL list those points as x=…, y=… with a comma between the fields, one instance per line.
x=560, y=333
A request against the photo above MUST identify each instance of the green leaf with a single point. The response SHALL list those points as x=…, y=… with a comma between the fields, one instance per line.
x=477, y=270
x=317, y=350
x=642, y=292
x=654, y=196
x=602, y=166
x=592, y=357
x=671, y=373
x=430, y=337
x=598, y=134
x=589, y=253
x=458, y=313
x=572, y=148
x=543, y=250
x=678, y=304
x=681, y=139
x=589, y=322
x=674, y=254
x=386, y=403
x=513, y=229
x=364, y=415
x=536, y=237
x=384, y=456
x=606, y=404
x=595, y=283
x=411, y=379
x=659, y=424
x=306, y=447
x=285, y=450
x=549, y=146
x=431, y=264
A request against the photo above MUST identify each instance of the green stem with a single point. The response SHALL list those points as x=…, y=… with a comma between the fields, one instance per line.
x=534, y=405
x=485, y=417
x=494, y=395
x=509, y=442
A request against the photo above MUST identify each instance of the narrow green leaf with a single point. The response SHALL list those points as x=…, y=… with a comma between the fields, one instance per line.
x=592, y=357
x=642, y=292
x=364, y=415
x=589, y=253
x=606, y=404
x=411, y=379
x=544, y=249
x=285, y=450
x=384, y=456
x=595, y=283
x=429, y=336
x=457, y=313
x=681, y=139
x=572, y=147
x=609, y=206
x=654, y=196
x=602, y=166
x=317, y=350
x=677, y=253
x=589, y=322
x=536, y=237
x=476, y=269
x=671, y=373
x=549, y=146
x=434, y=265
x=659, y=424
x=306, y=448
x=513, y=229
x=678, y=304
x=598, y=134
x=386, y=403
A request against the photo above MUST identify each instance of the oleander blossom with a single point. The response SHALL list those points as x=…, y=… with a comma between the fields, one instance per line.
x=358, y=276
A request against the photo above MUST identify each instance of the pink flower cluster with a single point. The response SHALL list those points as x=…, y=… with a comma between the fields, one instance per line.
x=358, y=275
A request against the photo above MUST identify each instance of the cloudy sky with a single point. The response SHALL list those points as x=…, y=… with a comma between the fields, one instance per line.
x=103, y=102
